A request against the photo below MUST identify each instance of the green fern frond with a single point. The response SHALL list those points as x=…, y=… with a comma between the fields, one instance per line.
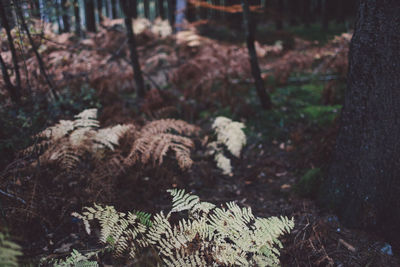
x=9, y=252
x=76, y=259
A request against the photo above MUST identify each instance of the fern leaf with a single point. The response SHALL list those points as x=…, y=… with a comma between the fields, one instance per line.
x=9, y=252
x=169, y=125
x=230, y=133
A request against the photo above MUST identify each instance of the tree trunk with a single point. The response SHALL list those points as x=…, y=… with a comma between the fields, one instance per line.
x=171, y=13
x=90, y=16
x=160, y=9
x=14, y=93
x=114, y=8
x=325, y=14
x=306, y=12
x=127, y=7
x=6, y=25
x=77, y=15
x=255, y=69
x=65, y=16
x=146, y=7
x=363, y=180
x=279, y=11
x=42, y=68
x=100, y=10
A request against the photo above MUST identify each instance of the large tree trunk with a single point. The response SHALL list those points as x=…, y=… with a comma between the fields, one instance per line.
x=250, y=28
x=90, y=16
x=364, y=178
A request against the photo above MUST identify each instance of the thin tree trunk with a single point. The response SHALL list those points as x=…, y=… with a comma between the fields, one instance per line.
x=34, y=48
x=160, y=8
x=114, y=8
x=65, y=15
x=171, y=13
x=78, y=29
x=4, y=22
x=90, y=16
x=14, y=93
x=306, y=13
x=100, y=10
x=279, y=20
x=146, y=7
x=255, y=69
x=325, y=14
x=140, y=86
x=58, y=17
x=363, y=180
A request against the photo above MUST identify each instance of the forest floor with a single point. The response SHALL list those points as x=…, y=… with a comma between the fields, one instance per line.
x=279, y=171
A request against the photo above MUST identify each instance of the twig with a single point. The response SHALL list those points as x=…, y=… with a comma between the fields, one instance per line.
x=13, y=196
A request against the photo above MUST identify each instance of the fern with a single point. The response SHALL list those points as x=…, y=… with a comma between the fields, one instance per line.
x=227, y=236
x=9, y=252
x=119, y=230
x=75, y=259
x=67, y=142
x=230, y=135
x=156, y=138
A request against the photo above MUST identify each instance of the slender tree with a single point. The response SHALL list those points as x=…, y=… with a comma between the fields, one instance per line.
x=363, y=180
x=14, y=93
x=171, y=13
x=114, y=8
x=41, y=64
x=255, y=68
x=279, y=14
x=78, y=30
x=100, y=10
x=90, y=16
x=65, y=16
x=6, y=25
x=146, y=7
x=127, y=7
x=160, y=9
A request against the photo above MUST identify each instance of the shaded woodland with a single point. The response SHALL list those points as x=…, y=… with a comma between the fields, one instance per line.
x=199, y=133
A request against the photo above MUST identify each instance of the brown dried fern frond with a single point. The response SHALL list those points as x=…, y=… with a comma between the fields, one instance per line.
x=169, y=125
x=156, y=138
x=68, y=141
x=155, y=148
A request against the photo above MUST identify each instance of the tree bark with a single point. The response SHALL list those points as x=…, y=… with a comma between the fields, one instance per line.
x=14, y=93
x=160, y=9
x=65, y=16
x=100, y=10
x=114, y=8
x=90, y=16
x=77, y=15
x=146, y=7
x=255, y=69
x=363, y=180
x=6, y=25
x=140, y=86
x=171, y=13
x=278, y=20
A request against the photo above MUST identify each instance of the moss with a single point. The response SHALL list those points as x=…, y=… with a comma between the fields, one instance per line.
x=321, y=115
x=309, y=183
